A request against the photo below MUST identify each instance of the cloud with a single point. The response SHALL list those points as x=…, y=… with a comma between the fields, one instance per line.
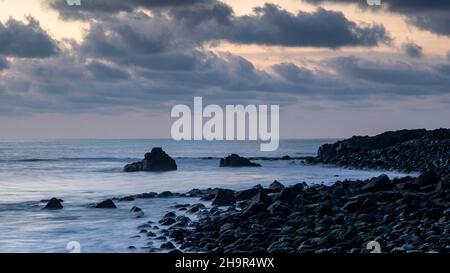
x=99, y=8
x=102, y=71
x=131, y=61
x=394, y=77
x=26, y=40
x=321, y=28
x=431, y=15
x=413, y=50
x=211, y=21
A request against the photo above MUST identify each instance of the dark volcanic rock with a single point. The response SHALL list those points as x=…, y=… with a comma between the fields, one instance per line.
x=342, y=217
x=155, y=161
x=405, y=150
x=107, y=204
x=54, y=203
x=224, y=197
x=276, y=186
x=235, y=160
x=380, y=183
x=246, y=194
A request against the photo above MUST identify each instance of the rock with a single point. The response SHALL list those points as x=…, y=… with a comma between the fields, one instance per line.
x=138, y=212
x=405, y=150
x=235, y=160
x=276, y=186
x=54, y=203
x=167, y=245
x=380, y=183
x=170, y=215
x=107, y=204
x=167, y=221
x=165, y=194
x=278, y=207
x=155, y=161
x=324, y=210
x=133, y=167
x=246, y=194
x=351, y=207
x=224, y=198
x=126, y=199
x=146, y=195
x=287, y=195
x=427, y=178
x=135, y=209
x=433, y=214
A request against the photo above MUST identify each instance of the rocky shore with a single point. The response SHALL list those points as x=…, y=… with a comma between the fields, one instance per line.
x=408, y=214
x=402, y=215
x=405, y=150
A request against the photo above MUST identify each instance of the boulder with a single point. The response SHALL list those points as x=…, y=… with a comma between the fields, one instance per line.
x=155, y=161
x=107, y=204
x=138, y=212
x=380, y=183
x=276, y=186
x=224, y=197
x=351, y=206
x=54, y=203
x=235, y=160
x=246, y=194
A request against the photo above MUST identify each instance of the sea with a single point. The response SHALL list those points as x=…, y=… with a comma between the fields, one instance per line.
x=83, y=172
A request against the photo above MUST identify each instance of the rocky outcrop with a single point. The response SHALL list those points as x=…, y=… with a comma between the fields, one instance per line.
x=235, y=160
x=409, y=215
x=406, y=150
x=54, y=203
x=107, y=204
x=155, y=161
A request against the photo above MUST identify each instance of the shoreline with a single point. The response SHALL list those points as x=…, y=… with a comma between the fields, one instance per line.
x=343, y=217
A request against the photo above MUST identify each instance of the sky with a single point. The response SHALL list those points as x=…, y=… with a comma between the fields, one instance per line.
x=115, y=69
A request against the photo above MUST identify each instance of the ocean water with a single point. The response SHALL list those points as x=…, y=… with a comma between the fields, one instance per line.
x=83, y=172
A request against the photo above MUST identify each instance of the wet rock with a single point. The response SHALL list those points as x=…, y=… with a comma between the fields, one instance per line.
x=351, y=206
x=167, y=221
x=276, y=186
x=224, y=197
x=167, y=245
x=107, y=204
x=380, y=183
x=138, y=212
x=235, y=160
x=54, y=203
x=155, y=161
x=246, y=194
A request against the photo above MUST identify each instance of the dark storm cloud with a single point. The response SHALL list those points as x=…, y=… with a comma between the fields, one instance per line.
x=321, y=28
x=209, y=21
x=431, y=15
x=102, y=71
x=99, y=8
x=423, y=80
x=413, y=50
x=132, y=61
x=25, y=40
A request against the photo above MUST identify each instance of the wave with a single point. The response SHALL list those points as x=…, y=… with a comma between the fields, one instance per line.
x=65, y=159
